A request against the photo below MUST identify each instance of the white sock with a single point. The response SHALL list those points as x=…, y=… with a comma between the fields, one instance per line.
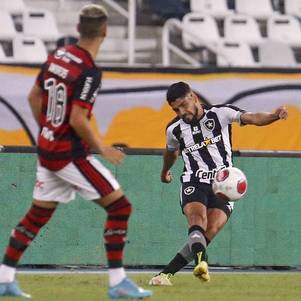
x=116, y=276
x=7, y=274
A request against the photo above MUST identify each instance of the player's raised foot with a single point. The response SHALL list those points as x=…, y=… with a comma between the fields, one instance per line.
x=201, y=271
x=12, y=289
x=161, y=280
x=127, y=289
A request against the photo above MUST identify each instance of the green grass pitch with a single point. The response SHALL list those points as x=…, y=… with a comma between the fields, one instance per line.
x=222, y=287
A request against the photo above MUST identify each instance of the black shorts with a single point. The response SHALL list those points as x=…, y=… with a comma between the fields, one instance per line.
x=202, y=192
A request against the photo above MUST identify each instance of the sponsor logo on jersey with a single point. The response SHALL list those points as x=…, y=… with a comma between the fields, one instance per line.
x=209, y=124
x=207, y=174
x=189, y=190
x=205, y=143
x=86, y=88
x=62, y=54
x=195, y=130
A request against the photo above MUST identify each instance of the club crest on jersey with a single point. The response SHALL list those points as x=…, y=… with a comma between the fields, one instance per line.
x=209, y=124
x=189, y=190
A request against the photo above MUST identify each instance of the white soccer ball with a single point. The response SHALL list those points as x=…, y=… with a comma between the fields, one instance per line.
x=230, y=184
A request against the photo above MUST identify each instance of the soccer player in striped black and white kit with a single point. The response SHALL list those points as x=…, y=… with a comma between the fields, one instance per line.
x=202, y=135
x=62, y=100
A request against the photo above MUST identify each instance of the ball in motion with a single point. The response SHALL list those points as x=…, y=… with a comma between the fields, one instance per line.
x=230, y=184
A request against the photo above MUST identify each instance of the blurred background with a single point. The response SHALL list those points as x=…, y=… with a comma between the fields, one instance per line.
x=242, y=52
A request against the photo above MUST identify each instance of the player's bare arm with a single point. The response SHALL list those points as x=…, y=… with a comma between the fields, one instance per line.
x=35, y=101
x=81, y=124
x=262, y=118
x=169, y=158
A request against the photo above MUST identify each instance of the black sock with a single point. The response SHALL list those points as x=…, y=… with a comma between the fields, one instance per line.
x=175, y=265
x=197, y=242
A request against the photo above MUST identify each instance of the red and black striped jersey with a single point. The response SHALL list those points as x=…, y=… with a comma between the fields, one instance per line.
x=69, y=77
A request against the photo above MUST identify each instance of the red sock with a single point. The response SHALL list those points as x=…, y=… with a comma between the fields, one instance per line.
x=116, y=230
x=25, y=232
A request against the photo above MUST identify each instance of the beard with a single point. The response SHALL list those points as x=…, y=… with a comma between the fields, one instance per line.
x=191, y=118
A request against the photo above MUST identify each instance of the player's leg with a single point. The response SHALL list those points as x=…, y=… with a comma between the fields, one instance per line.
x=196, y=214
x=95, y=182
x=48, y=191
x=181, y=259
x=218, y=213
x=188, y=193
x=21, y=237
x=216, y=220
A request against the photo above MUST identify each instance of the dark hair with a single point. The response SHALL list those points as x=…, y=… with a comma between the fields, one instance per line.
x=177, y=90
x=91, y=20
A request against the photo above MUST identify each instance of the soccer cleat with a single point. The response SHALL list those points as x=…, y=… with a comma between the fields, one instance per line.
x=161, y=280
x=201, y=271
x=127, y=289
x=12, y=289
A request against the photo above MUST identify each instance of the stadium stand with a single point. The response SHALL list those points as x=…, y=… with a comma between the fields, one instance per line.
x=3, y=57
x=7, y=27
x=259, y=9
x=169, y=8
x=284, y=29
x=216, y=8
x=242, y=28
x=276, y=54
x=28, y=50
x=215, y=22
x=292, y=7
x=40, y=23
x=14, y=7
x=235, y=54
x=202, y=25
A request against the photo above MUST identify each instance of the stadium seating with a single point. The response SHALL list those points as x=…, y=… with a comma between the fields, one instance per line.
x=14, y=7
x=200, y=25
x=259, y=9
x=40, y=23
x=235, y=54
x=284, y=29
x=3, y=58
x=216, y=8
x=7, y=27
x=242, y=28
x=28, y=50
x=292, y=7
x=276, y=54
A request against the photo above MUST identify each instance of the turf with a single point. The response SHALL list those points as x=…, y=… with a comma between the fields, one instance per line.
x=223, y=287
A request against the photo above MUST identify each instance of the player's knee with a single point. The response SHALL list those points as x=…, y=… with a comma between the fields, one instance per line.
x=213, y=229
x=198, y=218
x=121, y=206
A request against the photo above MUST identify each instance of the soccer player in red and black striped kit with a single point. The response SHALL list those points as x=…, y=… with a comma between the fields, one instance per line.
x=61, y=100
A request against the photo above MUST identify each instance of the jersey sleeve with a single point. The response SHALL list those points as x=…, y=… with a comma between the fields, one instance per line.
x=86, y=88
x=232, y=114
x=172, y=142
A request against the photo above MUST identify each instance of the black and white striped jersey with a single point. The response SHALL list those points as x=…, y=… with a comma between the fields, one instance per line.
x=206, y=144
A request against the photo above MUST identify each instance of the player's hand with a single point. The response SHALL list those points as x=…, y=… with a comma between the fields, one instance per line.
x=281, y=112
x=166, y=177
x=112, y=154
